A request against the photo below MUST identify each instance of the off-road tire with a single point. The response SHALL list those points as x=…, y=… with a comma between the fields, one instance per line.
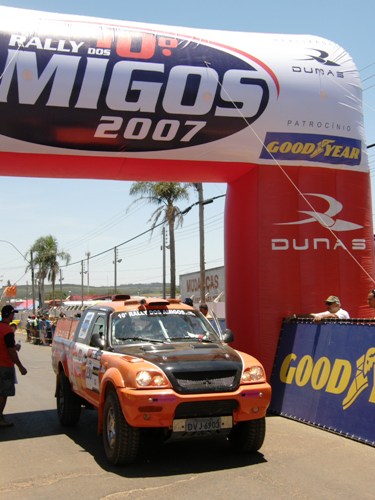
x=68, y=403
x=248, y=437
x=121, y=441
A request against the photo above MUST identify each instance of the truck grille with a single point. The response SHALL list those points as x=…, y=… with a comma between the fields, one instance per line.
x=206, y=408
x=198, y=382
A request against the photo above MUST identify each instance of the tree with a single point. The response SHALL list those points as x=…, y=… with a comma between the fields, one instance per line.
x=45, y=258
x=164, y=194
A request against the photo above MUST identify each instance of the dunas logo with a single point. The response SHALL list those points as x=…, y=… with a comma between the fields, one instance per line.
x=327, y=218
x=126, y=90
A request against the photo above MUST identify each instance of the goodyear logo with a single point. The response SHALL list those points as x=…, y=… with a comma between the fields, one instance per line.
x=311, y=147
x=334, y=378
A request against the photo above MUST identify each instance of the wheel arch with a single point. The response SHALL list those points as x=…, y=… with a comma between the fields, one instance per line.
x=111, y=381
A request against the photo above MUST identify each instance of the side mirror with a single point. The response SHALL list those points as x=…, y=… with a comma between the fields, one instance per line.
x=227, y=336
x=97, y=341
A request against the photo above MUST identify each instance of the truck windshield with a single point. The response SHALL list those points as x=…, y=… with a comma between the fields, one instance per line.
x=172, y=325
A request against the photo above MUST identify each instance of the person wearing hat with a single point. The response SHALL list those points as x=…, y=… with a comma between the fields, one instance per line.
x=371, y=298
x=8, y=359
x=333, y=311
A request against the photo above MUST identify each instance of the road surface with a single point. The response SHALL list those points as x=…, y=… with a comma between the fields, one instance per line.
x=40, y=459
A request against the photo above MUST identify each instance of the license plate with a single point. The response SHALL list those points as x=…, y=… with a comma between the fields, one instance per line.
x=206, y=424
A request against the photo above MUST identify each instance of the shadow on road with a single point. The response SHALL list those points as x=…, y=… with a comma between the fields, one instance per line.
x=32, y=424
x=170, y=458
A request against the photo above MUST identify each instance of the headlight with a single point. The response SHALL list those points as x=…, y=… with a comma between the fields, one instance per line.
x=143, y=378
x=147, y=379
x=253, y=374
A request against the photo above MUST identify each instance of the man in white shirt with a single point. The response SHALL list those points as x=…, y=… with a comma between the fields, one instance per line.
x=333, y=310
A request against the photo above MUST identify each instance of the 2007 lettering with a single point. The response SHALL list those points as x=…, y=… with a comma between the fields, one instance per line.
x=141, y=128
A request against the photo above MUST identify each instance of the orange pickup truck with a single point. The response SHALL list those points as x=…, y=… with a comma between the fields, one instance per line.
x=156, y=365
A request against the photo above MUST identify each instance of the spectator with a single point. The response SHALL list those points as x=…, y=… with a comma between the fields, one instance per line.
x=48, y=330
x=8, y=359
x=29, y=328
x=371, y=298
x=188, y=301
x=204, y=310
x=333, y=310
x=14, y=326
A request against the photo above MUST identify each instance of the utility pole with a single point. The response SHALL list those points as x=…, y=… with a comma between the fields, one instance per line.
x=115, y=261
x=164, y=271
x=82, y=273
x=32, y=280
x=61, y=280
x=202, y=268
x=88, y=272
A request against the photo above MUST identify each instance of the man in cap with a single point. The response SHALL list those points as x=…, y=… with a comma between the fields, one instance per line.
x=8, y=359
x=333, y=310
x=371, y=298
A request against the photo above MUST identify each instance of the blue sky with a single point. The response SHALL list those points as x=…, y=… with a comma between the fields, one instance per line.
x=93, y=216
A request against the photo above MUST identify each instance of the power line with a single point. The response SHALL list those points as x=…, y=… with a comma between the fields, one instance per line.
x=185, y=211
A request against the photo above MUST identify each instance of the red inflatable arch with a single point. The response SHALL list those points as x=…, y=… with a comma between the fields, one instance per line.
x=277, y=117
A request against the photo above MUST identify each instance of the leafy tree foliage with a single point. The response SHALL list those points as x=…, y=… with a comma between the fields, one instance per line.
x=45, y=257
x=165, y=195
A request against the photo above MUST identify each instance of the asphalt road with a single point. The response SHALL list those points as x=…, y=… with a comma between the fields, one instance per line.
x=40, y=459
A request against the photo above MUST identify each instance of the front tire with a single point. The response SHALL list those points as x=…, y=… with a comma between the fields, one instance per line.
x=68, y=403
x=248, y=437
x=121, y=441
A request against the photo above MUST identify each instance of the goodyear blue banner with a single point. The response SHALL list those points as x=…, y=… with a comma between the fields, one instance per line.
x=324, y=374
x=312, y=147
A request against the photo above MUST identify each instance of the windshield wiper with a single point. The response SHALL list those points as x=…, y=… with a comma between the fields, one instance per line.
x=142, y=339
x=193, y=338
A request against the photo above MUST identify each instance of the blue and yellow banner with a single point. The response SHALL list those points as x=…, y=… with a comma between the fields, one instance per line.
x=324, y=374
x=331, y=149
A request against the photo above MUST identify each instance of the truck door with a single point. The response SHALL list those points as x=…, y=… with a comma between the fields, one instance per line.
x=92, y=362
x=86, y=356
x=79, y=351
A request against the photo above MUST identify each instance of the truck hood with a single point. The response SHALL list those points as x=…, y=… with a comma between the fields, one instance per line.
x=193, y=367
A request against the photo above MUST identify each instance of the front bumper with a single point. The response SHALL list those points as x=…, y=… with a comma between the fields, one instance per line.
x=159, y=408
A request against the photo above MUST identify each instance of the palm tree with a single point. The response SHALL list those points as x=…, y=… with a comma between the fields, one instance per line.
x=164, y=194
x=45, y=257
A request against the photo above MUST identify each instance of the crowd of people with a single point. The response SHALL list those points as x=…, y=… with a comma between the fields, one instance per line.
x=40, y=329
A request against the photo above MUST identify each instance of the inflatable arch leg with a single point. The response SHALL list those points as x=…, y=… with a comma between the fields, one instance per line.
x=280, y=260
